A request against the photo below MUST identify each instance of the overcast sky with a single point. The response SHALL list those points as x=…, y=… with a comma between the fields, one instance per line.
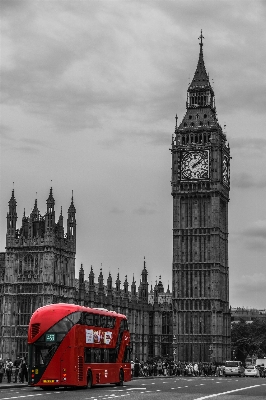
x=89, y=93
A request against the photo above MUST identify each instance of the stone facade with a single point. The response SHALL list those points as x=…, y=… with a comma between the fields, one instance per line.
x=193, y=322
x=200, y=190
x=38, y=268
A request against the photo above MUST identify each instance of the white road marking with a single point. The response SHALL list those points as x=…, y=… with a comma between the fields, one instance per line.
x=228, y=392
x=20, y=397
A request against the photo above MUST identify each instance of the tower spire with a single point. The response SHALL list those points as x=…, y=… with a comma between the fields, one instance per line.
x=201, y=37
x=200, y=79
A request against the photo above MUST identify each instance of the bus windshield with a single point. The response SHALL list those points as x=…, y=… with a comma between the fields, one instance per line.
x=47, y=344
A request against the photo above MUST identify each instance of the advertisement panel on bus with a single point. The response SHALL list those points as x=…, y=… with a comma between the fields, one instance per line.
x=72, y=345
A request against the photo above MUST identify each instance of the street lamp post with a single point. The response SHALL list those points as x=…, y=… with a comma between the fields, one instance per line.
x=210, y=352
x=174, y=348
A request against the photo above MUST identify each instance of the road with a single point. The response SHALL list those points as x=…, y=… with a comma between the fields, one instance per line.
x=159, y=388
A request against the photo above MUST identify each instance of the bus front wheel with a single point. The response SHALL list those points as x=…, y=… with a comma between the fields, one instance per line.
x=89, y=380
x=121, y=378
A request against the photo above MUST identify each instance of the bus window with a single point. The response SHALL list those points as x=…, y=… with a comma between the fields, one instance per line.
x=44, y=353
x=96, y=320
x=103, y=321
x=110, y=322
x=97, y=355
x=88, y=320
x=123, y=325
x=87, y=354
x=75, y=317
x=127, y=353
x=93, y=355
x=106, y=355
x=112, y=355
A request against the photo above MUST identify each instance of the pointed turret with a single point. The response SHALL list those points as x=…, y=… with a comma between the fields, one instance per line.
x=81, y=274
x=35, y=212
x=60, y=225
x=92, y=291
x=143, y=289
x=81, y=286
x=144, y=273
x=109, y=289
x=71, y=223
x=91, y=279
x=50, y=213
x=50, y=202
x=126, y=284
x=25, y=226
x=117, y=284
x=100, y=282
x=34, y=220
x=11, y=219
x=133, y=287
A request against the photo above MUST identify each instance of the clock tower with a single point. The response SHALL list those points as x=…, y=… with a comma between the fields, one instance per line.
x=200, y=190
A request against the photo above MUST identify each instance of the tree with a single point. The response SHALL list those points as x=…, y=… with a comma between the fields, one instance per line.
x=249, y=338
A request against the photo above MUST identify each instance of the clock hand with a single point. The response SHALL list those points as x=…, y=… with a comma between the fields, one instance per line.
x=198, y=162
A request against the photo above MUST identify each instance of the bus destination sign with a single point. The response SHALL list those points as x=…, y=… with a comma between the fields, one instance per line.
x=50, y=337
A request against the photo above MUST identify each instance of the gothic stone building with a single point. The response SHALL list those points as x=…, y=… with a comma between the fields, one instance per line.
x=200, y=190
x=38, y=268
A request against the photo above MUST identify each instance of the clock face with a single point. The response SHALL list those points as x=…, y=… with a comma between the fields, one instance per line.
x=195, y=165
x=226, y=171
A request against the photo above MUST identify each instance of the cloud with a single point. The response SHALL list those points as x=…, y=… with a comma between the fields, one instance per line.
x=253, y=283
x=146, y=209
x=258, y=229
x=23, y=144
x=254, y=236
x=116, y=210
x=56, y=66
x=244, y=180
x=252, y=146
x=5, y=132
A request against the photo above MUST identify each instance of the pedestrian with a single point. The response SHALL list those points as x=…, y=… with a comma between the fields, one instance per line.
x=155, y=368
x=136, y=368
x=160, y=367
x=1, y=370
x=8, y=368
x=23, y=370
x=16, y=364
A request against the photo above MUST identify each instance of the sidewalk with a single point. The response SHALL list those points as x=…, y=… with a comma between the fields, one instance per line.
x=12, y=384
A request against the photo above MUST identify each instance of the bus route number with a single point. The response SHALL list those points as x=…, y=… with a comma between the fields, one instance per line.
x=50, y=337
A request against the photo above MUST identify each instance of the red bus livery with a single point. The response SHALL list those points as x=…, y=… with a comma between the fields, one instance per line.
x=72, y=345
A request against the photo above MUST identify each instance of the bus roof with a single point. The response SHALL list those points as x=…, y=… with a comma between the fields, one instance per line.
x=50, y=314
x=76, y=307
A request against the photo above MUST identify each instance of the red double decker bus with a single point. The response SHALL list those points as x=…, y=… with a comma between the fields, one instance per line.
x=72, y=345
